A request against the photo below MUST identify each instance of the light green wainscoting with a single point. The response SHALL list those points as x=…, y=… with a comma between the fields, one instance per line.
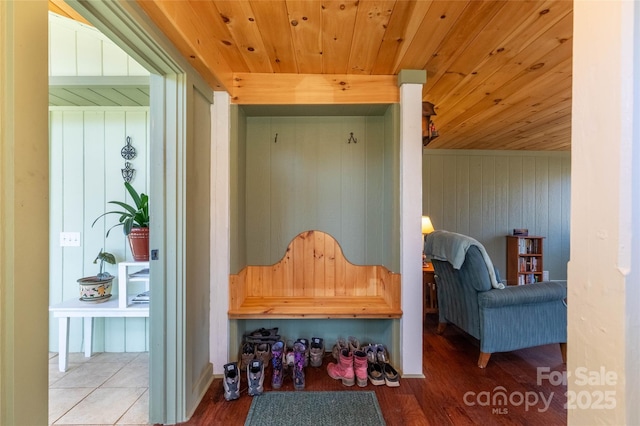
x=304, y=173
x=327, y=168
x=85, y=173
x=486, y=194
x=365, y=330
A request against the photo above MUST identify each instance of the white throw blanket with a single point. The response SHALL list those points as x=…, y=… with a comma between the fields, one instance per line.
x=452, y=248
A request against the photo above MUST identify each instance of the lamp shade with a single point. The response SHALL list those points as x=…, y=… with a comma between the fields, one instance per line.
x=427, y=227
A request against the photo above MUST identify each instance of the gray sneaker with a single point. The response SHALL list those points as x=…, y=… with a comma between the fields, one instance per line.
x=255, y=377
x=316, y=351
x=231, y=382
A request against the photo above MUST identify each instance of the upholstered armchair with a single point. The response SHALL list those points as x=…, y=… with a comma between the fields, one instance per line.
x=503, y=318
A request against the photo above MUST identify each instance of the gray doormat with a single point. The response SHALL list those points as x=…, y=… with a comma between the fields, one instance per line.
x=342, y=408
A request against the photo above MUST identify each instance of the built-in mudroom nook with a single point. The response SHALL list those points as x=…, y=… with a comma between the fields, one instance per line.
x=315, y=223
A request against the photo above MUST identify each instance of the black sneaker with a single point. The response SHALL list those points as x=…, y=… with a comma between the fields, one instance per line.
x=255, y=377
x=262, y=335
x=231, y=381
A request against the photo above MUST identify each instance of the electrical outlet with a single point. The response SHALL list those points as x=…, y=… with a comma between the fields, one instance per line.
x=69, y=239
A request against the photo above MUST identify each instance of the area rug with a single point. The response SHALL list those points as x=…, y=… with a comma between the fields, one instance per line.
x=342, y=408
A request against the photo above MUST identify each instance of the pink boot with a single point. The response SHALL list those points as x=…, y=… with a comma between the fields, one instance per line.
x=360, y=366
x=343, y=369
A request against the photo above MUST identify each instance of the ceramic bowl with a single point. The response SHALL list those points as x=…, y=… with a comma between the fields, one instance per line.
x=92, y=288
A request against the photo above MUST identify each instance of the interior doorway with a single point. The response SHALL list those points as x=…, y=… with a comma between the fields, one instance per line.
x=98, y=105
x=179, y=190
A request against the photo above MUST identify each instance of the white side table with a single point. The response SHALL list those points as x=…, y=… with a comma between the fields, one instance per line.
x=75, y=308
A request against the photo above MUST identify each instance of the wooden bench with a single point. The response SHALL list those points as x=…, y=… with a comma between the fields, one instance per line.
x=314, y=280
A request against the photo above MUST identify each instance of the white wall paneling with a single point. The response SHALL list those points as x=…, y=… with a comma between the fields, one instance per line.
x=76, y=49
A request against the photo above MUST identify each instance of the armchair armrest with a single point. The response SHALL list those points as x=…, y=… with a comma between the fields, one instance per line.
x=524, y=294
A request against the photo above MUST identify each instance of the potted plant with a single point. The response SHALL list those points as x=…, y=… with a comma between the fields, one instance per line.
x=134, y=220
x=98, y=288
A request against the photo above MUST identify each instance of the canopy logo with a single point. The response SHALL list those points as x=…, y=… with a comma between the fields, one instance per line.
x=499, y=400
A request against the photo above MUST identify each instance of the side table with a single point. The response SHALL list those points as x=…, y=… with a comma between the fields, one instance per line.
x=75, y=308
x=429, y=290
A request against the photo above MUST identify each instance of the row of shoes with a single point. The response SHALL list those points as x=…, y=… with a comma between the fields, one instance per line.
x=314, y=352
x=232, y=379
x=362, y=364
x=355, y=363
x=264, y=347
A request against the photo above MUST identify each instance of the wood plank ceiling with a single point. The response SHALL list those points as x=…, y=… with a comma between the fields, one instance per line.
x=498, y=72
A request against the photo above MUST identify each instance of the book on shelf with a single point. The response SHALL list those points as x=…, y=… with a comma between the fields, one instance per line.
x=142, y=273
x=141, y=298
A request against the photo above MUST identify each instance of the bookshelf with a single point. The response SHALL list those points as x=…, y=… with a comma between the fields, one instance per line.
x=133, y=279
x=524, y=259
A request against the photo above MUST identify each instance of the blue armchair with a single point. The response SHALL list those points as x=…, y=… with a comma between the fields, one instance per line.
x=504, y=319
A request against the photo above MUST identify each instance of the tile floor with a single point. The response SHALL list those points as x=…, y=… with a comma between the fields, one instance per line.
x=106, y=389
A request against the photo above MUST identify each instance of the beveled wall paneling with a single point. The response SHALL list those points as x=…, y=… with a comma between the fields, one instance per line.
x=197, y=228
x=486, y=194
x=85, y=173
x=312, y=178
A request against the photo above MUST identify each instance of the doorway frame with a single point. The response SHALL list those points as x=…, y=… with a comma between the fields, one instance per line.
x=127, y=26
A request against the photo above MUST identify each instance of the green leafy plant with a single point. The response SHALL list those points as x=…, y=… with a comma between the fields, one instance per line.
x=103, y=256
x=133, y=216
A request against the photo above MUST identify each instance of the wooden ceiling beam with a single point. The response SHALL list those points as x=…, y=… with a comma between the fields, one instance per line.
x=313, y=89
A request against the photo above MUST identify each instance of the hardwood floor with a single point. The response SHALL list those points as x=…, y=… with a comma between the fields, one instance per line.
x=454, y=392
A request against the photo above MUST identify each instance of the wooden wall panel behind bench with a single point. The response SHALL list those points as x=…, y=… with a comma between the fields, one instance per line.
x=314, y=280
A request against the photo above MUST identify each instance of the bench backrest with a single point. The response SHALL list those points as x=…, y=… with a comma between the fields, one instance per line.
x=314, y=266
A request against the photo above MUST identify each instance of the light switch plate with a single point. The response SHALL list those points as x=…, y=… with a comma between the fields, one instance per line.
x=69, y=239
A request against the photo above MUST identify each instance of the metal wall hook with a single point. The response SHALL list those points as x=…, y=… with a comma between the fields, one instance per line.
x=127, y=172
x=128, y=152
x=352, y=139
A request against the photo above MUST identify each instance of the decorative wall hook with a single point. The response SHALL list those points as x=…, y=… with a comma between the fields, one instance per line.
x=127, y=172
x=352, y=139
x=128, y=152
x=276, y=139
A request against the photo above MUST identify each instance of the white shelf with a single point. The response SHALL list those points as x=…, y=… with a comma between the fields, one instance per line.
x=125, y=269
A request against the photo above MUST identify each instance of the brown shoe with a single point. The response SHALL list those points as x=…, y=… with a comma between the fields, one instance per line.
x=263, y=353
x=247, y=354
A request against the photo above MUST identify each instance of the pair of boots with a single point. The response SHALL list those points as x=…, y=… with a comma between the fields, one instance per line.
x=350, y=368
x=299, y=357
x=231, y=382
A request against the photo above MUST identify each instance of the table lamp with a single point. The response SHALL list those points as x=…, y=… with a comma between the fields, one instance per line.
x=427, y=228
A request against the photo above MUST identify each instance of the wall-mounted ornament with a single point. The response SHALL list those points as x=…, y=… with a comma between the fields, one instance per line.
x=352, y=139
x=127, y=172
x=128, y=152
x=429, y=131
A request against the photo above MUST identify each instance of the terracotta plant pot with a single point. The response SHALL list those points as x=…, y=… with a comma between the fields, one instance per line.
x=94, y=289
x=139, y=242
